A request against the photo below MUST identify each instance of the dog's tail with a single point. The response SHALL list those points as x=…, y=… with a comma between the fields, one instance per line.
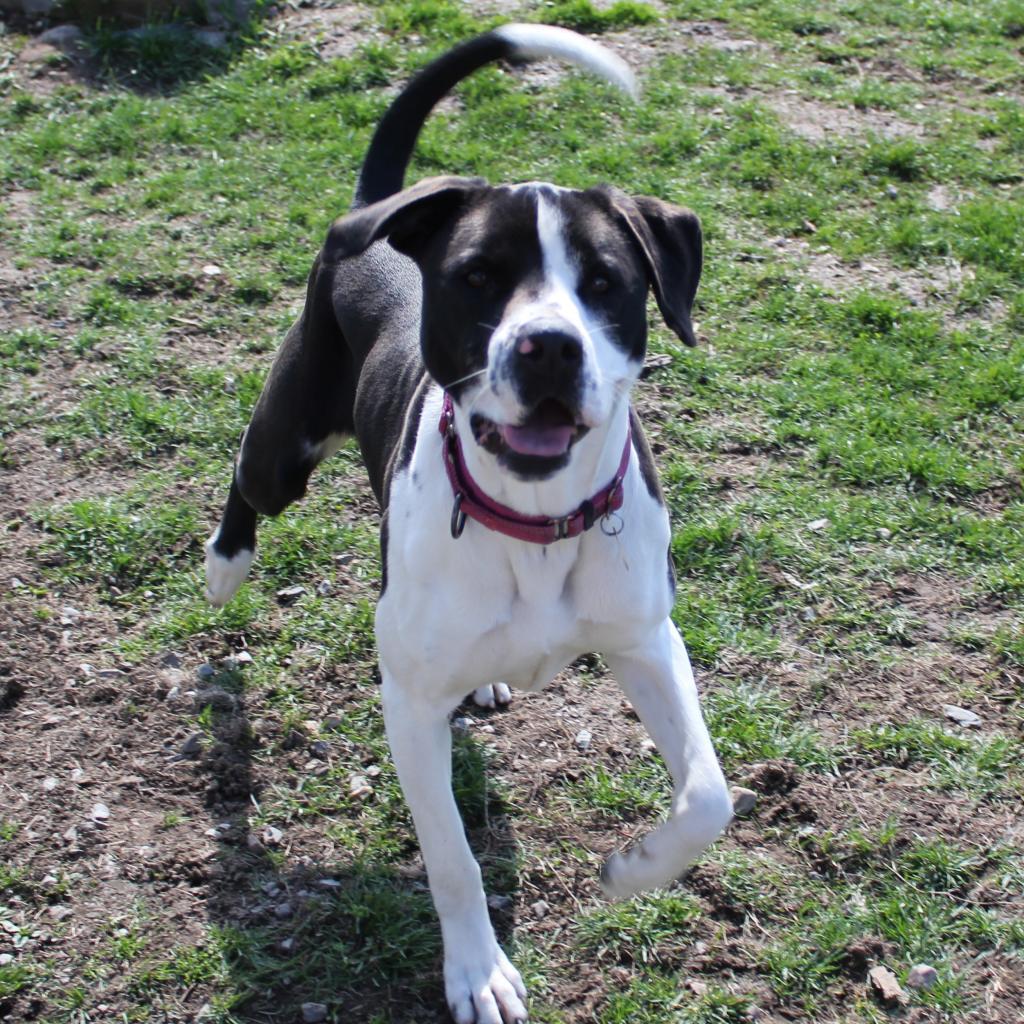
x=383, y=171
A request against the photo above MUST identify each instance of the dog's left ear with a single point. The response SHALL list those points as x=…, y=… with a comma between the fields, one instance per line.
x=405, y=218
x=670, y=239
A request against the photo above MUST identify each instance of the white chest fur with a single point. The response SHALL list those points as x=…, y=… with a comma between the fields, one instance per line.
x=459, y=613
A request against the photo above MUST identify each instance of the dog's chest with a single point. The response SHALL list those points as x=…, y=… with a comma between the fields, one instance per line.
x=482, y=608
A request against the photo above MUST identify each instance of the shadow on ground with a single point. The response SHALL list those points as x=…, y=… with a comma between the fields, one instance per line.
x=359, y=939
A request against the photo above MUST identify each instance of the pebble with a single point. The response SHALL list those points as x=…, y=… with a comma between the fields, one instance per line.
x=320, y=749
x=540, y=910
x=5, y=959
x=193, y=746
x=69, y=616
x=50, y=784
x=883, y=533
x=743, y=800
x=288, y=595
x=283, y=910
x=962, y=717
x=212, y=270
x=648, y=746
x=325, y=588
x=214, y=697
x=498, y=902
x=314, y=1013
x=243, y=658
x=359, y=787
x=922, y=976
x=462, y=725
x=99, y=812
x=698, y=988
x=583, y=739
x=206, y=671
x=892, y=191
x=271, y=836
x=817, y=525
x=328, y=883
x=286, y=945
x=885, y=985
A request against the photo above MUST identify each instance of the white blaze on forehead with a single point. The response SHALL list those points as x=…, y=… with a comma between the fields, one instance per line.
x=561, y=272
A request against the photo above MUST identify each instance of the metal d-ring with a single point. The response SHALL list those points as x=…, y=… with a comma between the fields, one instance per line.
x=612, y=523
x=458, y=523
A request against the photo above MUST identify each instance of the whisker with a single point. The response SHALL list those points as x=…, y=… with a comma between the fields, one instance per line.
x=462, y=380
x=490, y=327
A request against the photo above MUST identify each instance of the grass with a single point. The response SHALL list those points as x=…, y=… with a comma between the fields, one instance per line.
x=842, y=458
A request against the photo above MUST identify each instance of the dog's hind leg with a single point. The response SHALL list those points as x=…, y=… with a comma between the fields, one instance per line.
x=658, y=680
x=301, y=417
x=481, y=986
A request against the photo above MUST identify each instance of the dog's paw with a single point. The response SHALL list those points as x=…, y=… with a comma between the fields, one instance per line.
x=224, y=575
x=492, y=695
x=484, y=989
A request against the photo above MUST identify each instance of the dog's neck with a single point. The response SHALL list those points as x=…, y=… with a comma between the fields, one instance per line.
x=593, y=461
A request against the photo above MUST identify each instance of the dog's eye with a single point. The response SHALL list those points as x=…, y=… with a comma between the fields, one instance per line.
x=476, y=278
x=599, y=284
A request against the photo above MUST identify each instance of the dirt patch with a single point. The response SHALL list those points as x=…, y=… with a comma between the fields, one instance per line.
x=816, y=121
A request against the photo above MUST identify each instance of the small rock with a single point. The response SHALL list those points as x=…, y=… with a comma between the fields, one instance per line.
x=206, y=671
x=86, y=670
x=50, y=784
x=289, y=595
x=271, y=836
x=487, y=728
x=99, y=812
x=192, y=747
x=243, y=658
x=962, y=717
x=216, y=698
x=648, y=746
x=71, y=835
x=173, y=694
x=892, y=191
x=77, y=775
x=16, y=584
x=922, y=976
x=498, y=902
x=69, y=616
x=743, y=800
x=286, y=945
x=5, y=959
x=883, y=533
x=313, y=1013
x=320, y=749
x=332, y=722
x=540, y=910
x=171, y=660
x=885, y=985
x=817, y=525
x=325, y=588
x=63, y=37
x=698, y=988
x=462, y=725
x=283, y=910
x=328, y=883
x=583, y=739
x=809, y=226
x=212, y=270
x=359, y=787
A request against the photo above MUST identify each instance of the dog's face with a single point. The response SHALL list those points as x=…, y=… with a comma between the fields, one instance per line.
x=534, y=301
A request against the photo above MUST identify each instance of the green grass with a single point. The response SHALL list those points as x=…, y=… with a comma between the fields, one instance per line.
x=842, y=458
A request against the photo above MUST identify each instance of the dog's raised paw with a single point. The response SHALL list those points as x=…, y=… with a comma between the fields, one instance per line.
x=485, y=990
x=492, y=695
x=225, y=575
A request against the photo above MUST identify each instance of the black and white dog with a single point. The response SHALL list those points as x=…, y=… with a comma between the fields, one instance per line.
x=481, y=343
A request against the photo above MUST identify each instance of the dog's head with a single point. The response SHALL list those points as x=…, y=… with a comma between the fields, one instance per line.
x=534, y=300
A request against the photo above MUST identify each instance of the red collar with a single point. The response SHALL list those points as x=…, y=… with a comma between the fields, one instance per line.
x=471, y=502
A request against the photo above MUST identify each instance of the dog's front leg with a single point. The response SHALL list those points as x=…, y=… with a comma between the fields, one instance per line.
x=658, y=680
x=481, y=986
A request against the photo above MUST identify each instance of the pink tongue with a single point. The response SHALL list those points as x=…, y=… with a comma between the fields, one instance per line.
x=543, y=441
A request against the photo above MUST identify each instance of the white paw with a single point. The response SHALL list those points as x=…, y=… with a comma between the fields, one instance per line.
x=224, y=575
x=484, y=989
x=492, y=695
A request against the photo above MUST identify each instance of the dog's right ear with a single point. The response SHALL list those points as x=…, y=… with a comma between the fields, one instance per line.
x=406, y=219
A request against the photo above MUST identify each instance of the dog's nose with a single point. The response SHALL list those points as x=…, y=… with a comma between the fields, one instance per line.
x=549, y=351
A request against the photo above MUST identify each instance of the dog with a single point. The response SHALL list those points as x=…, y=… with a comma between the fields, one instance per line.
x=480, y=342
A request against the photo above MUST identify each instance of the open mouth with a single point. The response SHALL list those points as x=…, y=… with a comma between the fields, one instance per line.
x=549, y=431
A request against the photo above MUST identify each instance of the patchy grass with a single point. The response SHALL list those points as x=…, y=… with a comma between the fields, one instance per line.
x=842, y=458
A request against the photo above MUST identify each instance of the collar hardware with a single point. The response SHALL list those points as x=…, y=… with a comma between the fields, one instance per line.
x=470, y=502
